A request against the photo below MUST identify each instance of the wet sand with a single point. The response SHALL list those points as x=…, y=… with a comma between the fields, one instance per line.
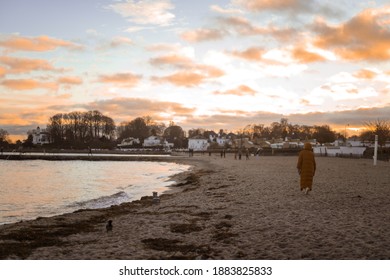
x=228, y=209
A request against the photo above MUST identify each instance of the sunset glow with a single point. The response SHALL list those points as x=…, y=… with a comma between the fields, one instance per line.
x=210, y=64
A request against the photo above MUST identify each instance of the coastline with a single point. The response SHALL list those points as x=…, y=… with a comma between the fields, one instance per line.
x=227, y=209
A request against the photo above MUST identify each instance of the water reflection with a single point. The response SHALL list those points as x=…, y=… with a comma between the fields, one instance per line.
x=41, y=188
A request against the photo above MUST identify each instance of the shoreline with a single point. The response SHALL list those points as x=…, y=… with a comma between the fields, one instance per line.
x=227, y=209
x=85, y=156
x=169, y=183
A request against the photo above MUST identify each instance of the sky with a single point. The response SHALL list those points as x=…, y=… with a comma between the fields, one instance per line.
x=219, y=64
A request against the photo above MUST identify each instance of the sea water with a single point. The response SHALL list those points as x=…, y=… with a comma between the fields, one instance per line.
x=39, y=188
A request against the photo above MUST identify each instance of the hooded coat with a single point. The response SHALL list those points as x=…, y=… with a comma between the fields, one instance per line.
x=306, y=166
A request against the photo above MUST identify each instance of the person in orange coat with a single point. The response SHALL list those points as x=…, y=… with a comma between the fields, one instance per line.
x=306, y=167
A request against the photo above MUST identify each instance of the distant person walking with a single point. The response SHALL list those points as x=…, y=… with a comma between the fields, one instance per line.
x=306, y=167
x=89, y=151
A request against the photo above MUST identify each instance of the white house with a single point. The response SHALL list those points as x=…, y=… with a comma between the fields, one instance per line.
x=152, y=141
x=198, y=144
x=223, y=141
x=40, y=136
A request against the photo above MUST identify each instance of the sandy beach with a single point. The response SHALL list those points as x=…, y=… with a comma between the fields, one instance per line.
x=228, y=209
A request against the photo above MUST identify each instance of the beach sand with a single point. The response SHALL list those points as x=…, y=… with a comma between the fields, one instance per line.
x=228, y=209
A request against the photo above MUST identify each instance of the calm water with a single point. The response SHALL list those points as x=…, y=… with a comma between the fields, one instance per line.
x=38, y=188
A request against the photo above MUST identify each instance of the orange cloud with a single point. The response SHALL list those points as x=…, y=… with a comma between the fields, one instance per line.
x=253, y=54
x=121, y=79
x=37, y=44
x=242, y=90
x=243, y=27
x=2, y=72
x=364, y=37
x=125, y=109
x=191, y=78
x=27, y=84
x=183, y=78
x=304, y=56
x=163, y=47
x=190, y=74
x=174, y=60
x=211, y=71
x=256, y=5
x=14, y=120
x=365, y=74
x=25, y=65
x=202, y=34
x=70, y=80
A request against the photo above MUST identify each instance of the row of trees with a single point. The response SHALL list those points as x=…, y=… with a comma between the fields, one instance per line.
x=92, y=128
x=78, y=128
x=144, y=127
x=283, y=129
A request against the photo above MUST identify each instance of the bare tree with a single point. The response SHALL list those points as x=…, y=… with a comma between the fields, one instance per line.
x=3, y=135
x=377, y=127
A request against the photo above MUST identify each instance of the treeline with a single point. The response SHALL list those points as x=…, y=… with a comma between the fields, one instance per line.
x=94, y=129
x=77, y=129
x=278, y=130
x=143, y=127
x=283, y=129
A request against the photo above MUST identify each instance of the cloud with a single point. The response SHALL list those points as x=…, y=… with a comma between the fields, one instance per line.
x=230, y=120
x=126, y=108
x=252, y=54
x=271, y=58
x=164, y=47
x=190, y=74
x=191, y=77
x=294, y=7
x=297, y=54
x=70, y=80
x=221, y=10
x=145, y=12
x=302, y=55
x=263, y=5
x=345, y=91
x=244, y=27
x=24, y=65
x=37, y=44
x=364, y=37
x=121, y=79
x=173, y=60
x=182, y=78
x=120, y=41
x=203, y=34
x=28, y=84
x=2, y=72
x=365, y=74
x=339, y=119
x=234, y=120
x=114, y=43
x=241, y=90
